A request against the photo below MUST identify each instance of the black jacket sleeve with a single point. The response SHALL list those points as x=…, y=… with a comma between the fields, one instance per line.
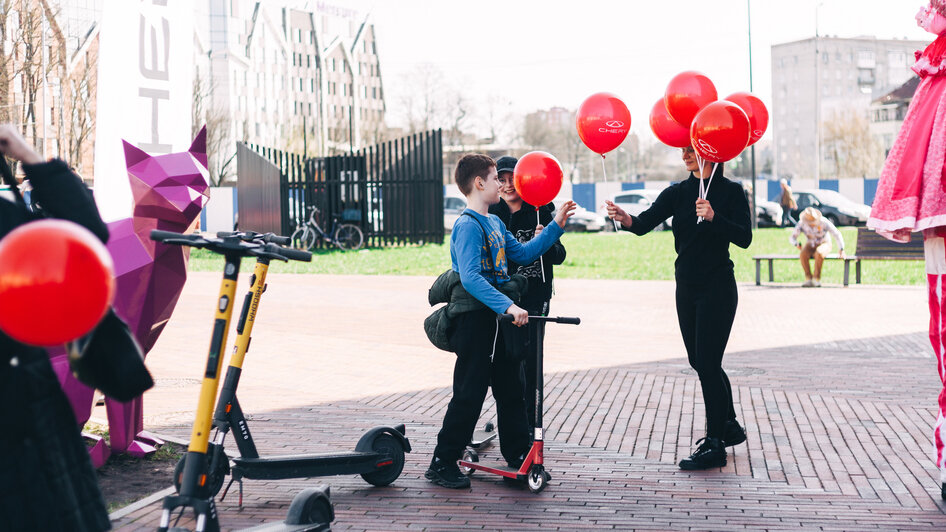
x=732, y=219
x=63, y=195
x=656, y=214
x=556, y=253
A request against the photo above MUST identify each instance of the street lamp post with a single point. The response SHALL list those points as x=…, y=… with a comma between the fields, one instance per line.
x=817, y=97
x=755, y=221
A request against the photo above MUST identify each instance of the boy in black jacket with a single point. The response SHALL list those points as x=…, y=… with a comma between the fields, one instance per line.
x=520, y=220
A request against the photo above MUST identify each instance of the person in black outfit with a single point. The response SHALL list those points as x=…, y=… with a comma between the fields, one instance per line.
x=46, y=477
x=520, y=220
x=706, y=293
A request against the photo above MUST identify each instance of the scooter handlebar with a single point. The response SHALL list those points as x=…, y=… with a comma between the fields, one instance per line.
x=553, y=319
x=294, y=254
x=249, y=236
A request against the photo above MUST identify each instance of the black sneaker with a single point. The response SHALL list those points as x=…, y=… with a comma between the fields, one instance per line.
x=735, y=434
x=710, y=453
x=447, y=474
x=516, y=463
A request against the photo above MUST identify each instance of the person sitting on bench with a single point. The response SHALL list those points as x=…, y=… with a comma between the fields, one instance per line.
x=818, y=243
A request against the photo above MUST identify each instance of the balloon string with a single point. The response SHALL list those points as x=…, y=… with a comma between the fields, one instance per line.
x=541, y=257
x=604, y=170
x=700, y=163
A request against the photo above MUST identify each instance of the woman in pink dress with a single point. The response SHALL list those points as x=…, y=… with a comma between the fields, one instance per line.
x=911, y=195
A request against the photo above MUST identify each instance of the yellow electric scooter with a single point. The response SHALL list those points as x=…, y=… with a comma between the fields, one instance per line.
x=311, y=509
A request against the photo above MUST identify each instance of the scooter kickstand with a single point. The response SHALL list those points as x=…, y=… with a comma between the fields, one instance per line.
x=227, y=489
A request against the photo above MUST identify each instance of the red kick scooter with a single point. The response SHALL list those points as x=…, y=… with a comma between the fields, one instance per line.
x=532, y=470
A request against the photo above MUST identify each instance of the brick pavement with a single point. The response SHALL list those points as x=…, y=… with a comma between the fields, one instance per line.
x=838, y=418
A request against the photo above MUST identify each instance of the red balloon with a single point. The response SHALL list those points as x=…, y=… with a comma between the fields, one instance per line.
x=755, y=110
x=666, y=128
x=686, y=94
x=56, y=282
x=603, y=122
x=538, y=178
x=720, y=131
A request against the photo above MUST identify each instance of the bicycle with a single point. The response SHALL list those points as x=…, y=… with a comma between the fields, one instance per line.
x=345, y=236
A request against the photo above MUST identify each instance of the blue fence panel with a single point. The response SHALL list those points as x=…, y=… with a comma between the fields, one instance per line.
x=775, y=190
x=633, y=186
x=828, y=184
x=584, y=195
x=870, y=190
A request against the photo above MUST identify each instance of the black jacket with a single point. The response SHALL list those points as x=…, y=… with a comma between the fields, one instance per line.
x=46, y=477
x=522, y=226
x=702, y=249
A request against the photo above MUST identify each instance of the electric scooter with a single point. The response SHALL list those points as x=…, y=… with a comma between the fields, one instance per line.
x=378, y=456
x=312, y=508
x=532, y=470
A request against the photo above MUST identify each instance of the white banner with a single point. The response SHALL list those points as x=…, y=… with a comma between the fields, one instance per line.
x=145, y=85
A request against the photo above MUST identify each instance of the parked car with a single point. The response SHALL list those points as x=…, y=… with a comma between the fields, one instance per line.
x=585, y=220
x=635, y=202
x=834, y=206
x=768, y=213
x=452, y=209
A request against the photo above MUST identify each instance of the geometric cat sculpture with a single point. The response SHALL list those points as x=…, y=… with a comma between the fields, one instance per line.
x=169, y=193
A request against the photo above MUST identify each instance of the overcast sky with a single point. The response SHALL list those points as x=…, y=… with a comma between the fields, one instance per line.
x=540, y=54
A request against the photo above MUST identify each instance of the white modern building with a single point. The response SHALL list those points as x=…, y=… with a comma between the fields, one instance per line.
x=822, y=78
x=300, y=80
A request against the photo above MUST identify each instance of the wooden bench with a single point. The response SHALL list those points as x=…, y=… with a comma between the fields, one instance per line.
x=870, y=246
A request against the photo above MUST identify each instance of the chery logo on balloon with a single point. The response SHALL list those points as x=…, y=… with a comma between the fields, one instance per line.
x=706, y=146
x=615, y=123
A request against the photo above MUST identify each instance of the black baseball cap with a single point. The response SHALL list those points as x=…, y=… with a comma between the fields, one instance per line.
x=506, y=163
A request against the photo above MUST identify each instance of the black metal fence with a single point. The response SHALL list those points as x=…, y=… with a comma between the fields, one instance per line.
x=393, y=191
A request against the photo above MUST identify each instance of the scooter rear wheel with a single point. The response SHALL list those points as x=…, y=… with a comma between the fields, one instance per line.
x=472, y=456
x=388, y=445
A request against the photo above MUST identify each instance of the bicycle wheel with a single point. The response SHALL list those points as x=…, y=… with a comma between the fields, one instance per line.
x=303, y=238
x=349, y=236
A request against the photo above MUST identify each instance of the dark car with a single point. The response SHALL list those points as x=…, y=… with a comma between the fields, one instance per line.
x=834, y=206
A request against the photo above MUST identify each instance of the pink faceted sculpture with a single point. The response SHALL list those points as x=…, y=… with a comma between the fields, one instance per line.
x=169, y=192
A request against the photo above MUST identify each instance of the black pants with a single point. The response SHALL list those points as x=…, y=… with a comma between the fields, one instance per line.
x=473, y=341
x=706, y=311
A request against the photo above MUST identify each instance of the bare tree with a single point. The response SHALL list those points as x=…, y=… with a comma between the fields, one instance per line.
x=423, y=102
x=36, y=56
x=853, y=150
x=499, y=120
x=221, y=151
x=8, y=67
x=81, y=93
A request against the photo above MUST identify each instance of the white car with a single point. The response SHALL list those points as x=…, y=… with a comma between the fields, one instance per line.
x=635, y=202
x=768, y=213
x=452, y=209
x=585, y=220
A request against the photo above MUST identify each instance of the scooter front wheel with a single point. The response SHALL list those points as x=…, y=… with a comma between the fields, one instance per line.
x=389, y=446
x=215, y=479
x=538, y=479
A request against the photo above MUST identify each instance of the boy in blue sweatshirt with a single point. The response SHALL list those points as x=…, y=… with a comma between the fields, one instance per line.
x=479, y=246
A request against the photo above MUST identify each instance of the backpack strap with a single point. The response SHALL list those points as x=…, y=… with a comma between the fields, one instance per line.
x=489, y=255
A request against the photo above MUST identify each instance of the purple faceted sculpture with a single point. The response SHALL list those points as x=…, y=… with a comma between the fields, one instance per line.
x=169, y=192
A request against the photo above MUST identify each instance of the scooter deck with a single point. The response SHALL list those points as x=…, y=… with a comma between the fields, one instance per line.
x=481, y=438
x=308, y=465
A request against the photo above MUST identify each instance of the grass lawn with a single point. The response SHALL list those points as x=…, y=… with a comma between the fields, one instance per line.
x=593, y=256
